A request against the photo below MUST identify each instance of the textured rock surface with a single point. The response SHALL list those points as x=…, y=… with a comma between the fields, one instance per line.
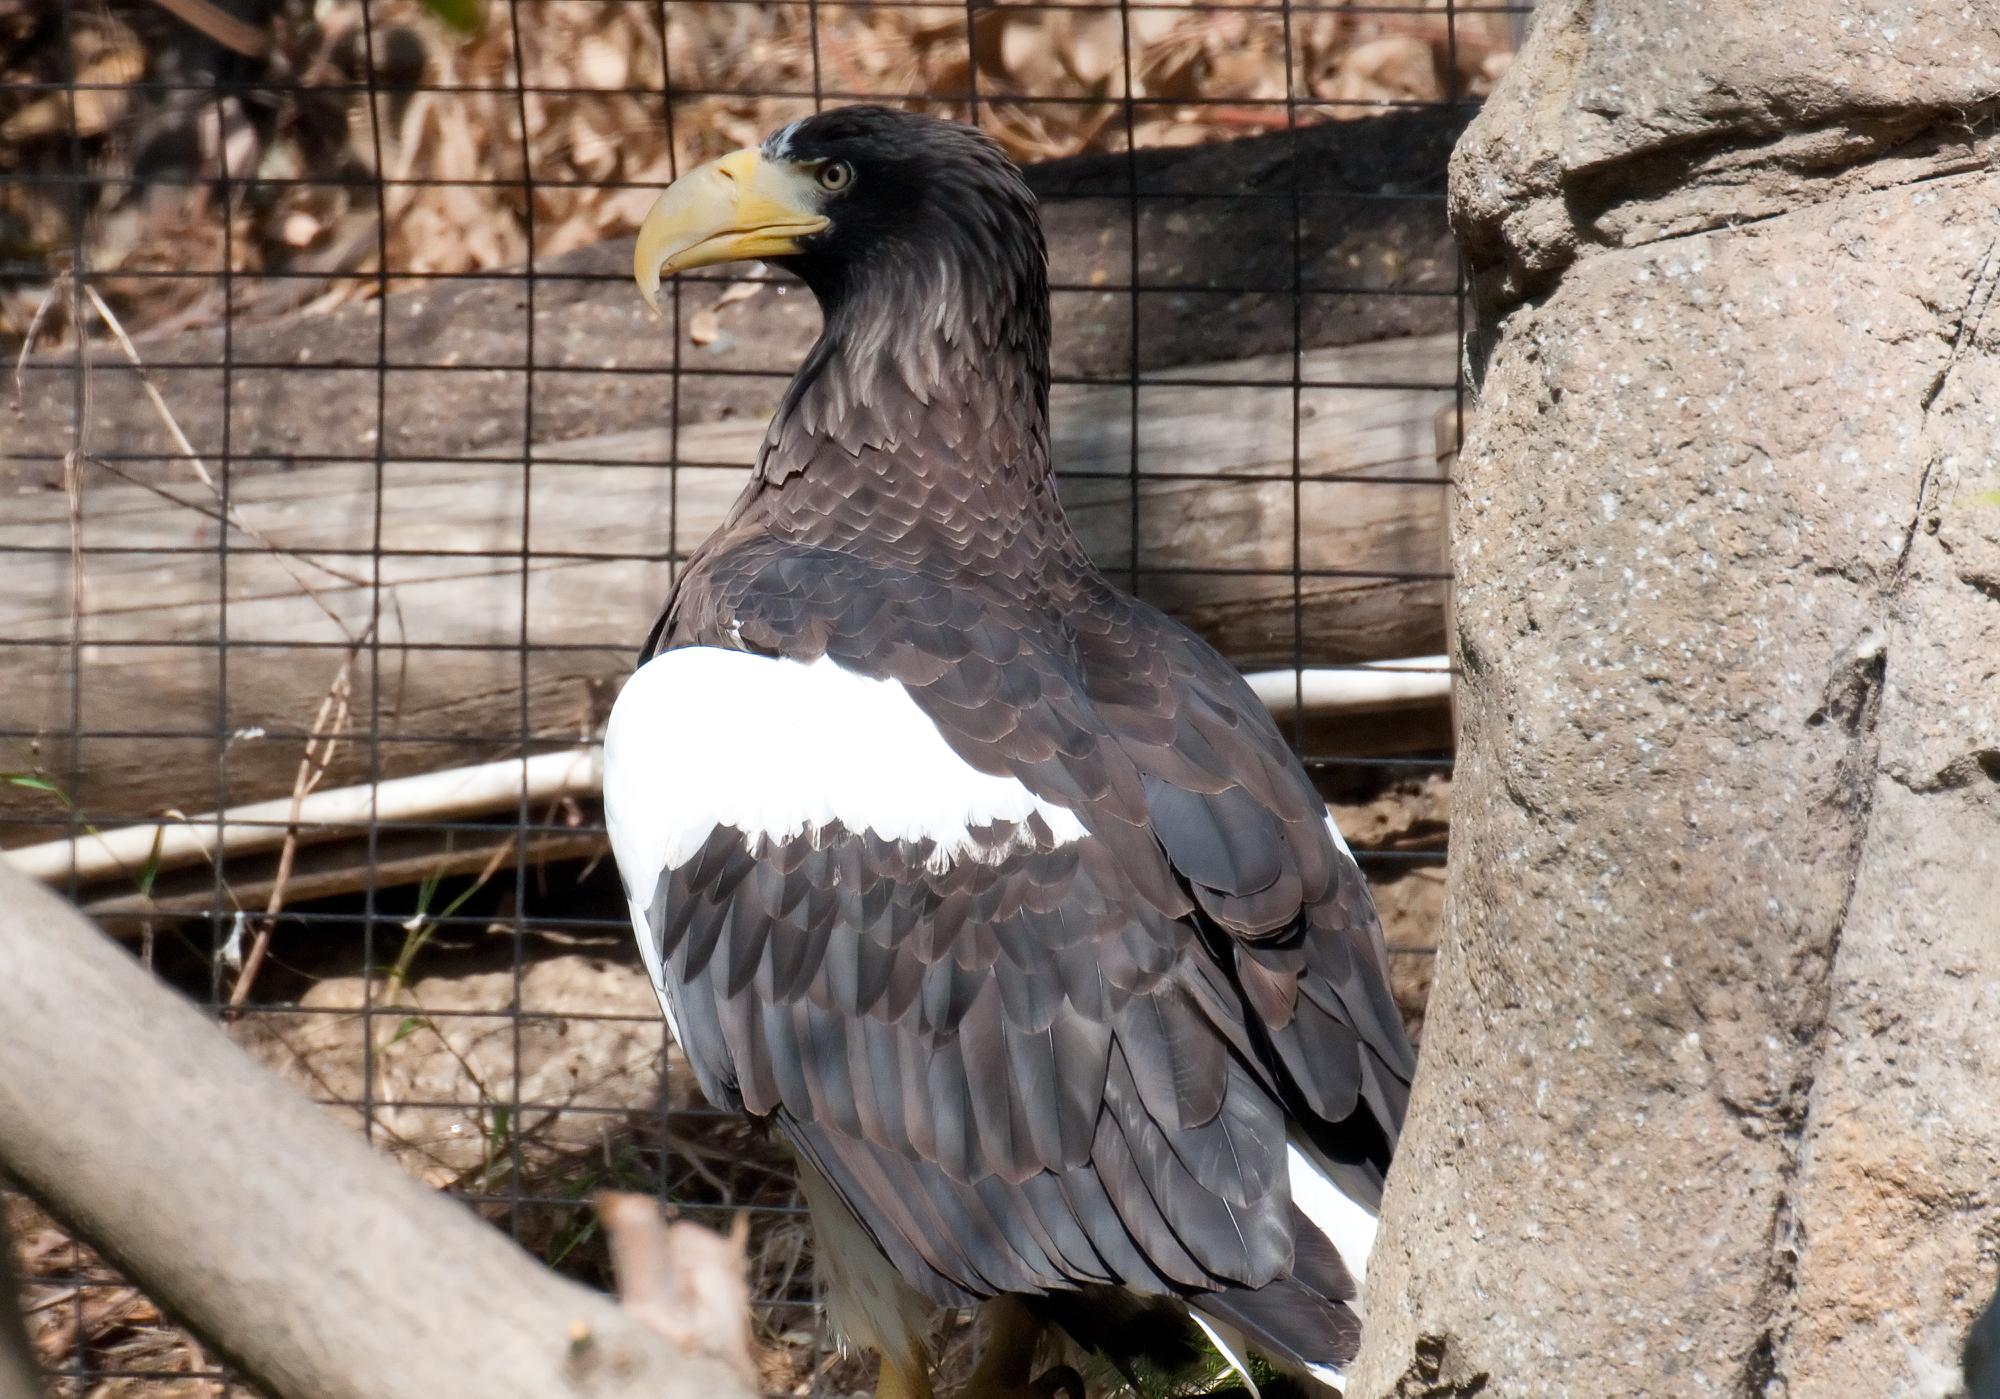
x=1710, y=1100
x=1630, y=121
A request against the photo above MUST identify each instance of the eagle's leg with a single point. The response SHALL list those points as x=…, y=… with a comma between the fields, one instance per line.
x=892, y=1383
x=1007, y=1360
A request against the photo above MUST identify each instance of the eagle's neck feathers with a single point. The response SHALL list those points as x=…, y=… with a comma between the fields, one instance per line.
x=919, y=422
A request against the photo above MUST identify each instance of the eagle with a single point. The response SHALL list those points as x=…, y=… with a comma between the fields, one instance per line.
x=991, y=889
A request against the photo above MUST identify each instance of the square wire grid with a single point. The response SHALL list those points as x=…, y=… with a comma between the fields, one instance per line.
x=346, y=460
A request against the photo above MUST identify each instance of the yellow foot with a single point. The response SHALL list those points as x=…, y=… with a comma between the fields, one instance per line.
x=1057, y=1380
x=1007, y=1358
x=892, y=1383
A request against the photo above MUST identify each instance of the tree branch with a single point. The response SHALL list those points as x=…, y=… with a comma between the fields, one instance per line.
x=686, y=1282
x=275, y=1234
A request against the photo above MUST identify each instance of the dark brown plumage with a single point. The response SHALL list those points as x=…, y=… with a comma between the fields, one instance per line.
x=1050, y=1059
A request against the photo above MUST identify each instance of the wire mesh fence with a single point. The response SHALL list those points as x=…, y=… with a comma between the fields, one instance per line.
x=346, y=474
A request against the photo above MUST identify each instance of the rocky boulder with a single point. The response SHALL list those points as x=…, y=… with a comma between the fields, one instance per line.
x=1710, y=1096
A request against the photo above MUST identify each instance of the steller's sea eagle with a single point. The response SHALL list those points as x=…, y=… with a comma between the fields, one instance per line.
x=995, y=892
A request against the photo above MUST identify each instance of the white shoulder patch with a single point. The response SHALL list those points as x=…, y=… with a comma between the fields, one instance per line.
x=703, y=737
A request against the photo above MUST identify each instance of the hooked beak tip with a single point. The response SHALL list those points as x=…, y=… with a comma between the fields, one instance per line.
x=734, y=209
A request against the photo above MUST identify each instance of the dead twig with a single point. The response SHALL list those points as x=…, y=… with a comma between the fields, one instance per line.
x=73, y=482
x=687, y=1283
x=28, y=340
x=54, y=1299
x=226, y=29
x=230, y=512
x=451, y=794
x=322, y=741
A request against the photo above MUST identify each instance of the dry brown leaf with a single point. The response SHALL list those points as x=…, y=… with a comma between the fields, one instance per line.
x=602, y=63
x=1152, y=26
x=102, y=58
x=1025, y=52
x=705, y=326
x=1094, y=47
x=1393, y=68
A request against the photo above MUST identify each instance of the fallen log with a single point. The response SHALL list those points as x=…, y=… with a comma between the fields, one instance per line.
x=1333, y=235
x=490, y=609
x=1330, y=236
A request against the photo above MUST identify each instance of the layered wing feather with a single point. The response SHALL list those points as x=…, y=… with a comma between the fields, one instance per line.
x=1100, y=703
x=1021, y=1076
x=1054, y=1041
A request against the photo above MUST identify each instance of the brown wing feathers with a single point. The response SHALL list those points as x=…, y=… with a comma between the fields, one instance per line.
x=1056, y=1011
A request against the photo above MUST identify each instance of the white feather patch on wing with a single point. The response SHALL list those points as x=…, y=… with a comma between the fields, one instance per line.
x=1348, y=1226
x=1229, y=1344
x=703, y=737
x=1340, y=840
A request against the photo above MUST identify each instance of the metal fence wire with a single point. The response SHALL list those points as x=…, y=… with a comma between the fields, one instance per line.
x=345, y=473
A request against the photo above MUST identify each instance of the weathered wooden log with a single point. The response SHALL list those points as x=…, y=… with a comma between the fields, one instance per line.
x=200, y=671
x=121, y=1106
x=1216, y=238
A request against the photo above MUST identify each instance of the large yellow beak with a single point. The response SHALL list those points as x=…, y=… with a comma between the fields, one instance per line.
x=741, y=206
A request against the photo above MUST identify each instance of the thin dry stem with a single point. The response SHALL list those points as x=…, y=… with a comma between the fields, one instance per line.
x=234, y=516
x=73, y=490
x=334, y=710
x=226, y=29
x=28, y=340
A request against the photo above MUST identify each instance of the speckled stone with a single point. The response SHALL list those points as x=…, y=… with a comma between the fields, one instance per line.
x=1710, y=1096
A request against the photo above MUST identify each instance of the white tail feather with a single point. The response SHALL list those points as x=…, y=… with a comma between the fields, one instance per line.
x=1348, y=1226
x=1229, y=1345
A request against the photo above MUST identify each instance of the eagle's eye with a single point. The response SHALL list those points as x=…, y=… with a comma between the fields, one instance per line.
x=835, y=176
